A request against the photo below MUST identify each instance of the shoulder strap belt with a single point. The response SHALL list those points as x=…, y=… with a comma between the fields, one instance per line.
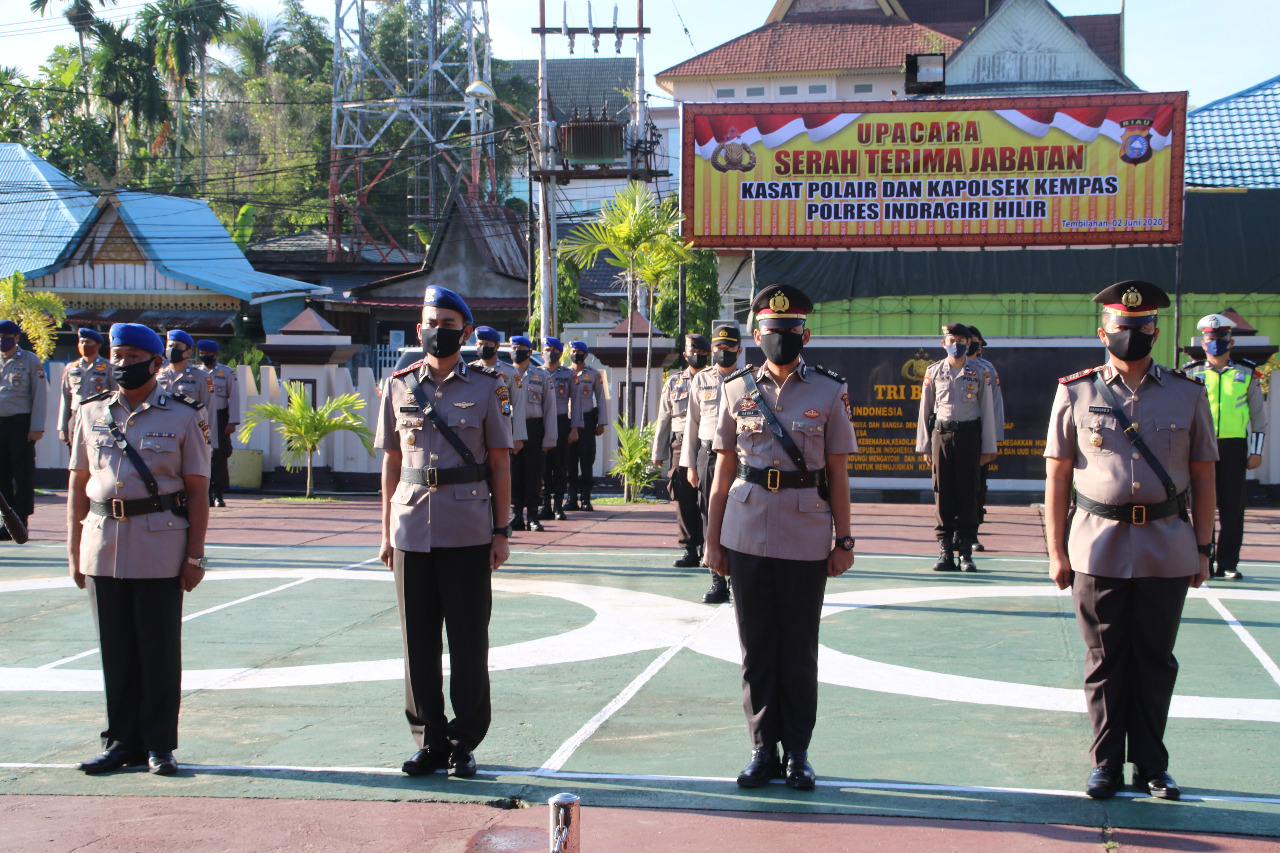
x=1131, y=433
x=788, y=443
x=445, y=476
x=415, y=388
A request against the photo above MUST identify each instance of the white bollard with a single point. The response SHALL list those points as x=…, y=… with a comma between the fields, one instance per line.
x=566, y=831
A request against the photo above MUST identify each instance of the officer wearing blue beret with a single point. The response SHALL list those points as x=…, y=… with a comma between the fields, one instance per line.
x=180, y=376
x=555, y=473
x=225, y=403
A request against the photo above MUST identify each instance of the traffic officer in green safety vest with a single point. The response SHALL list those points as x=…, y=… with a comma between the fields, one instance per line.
x=1240, y=423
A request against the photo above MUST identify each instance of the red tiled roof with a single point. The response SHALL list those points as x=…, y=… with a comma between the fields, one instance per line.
x=790, y=46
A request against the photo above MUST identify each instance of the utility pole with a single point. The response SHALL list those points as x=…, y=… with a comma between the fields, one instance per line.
x=546, y=189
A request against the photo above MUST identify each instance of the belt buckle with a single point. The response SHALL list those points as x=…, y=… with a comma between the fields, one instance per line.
x=433, y=479
x=117, y=509
x=773, y=479
x=1138, y=515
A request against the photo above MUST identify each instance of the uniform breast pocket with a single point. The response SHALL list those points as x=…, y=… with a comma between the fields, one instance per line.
x=18, y=379
x=102, y=450
x=1173, y=438
x=812, y=438
x=159, y=444
x=1100, y=436
x=466, y=425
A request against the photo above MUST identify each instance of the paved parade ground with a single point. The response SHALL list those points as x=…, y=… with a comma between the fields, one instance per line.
x=950, y=705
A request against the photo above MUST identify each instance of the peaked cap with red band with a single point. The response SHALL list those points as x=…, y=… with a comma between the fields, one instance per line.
x=1133, y=302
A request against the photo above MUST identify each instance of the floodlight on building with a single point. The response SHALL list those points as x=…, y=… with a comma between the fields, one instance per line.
x=926, y=74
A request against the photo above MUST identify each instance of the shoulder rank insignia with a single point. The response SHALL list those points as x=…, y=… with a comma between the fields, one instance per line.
x=828, y=373
x=102, y=396
x=1178, y=373
x=1251, y=365
x=486, y=370
x=189, y=401
x=742, y=371
x=1073, y=377
x=410, y=368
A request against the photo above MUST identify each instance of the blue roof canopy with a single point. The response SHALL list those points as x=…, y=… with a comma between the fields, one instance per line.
x=41, y=212
x=1235, y=141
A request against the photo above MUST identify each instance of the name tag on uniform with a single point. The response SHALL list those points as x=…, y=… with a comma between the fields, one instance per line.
x=101, y=428
x=411, y=408
x=1100, y=410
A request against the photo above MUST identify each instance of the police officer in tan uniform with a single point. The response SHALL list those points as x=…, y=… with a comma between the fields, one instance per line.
x=668, y=442
x=446, y=489
x=1136, y=441
x=88, y=376
x=135, y=538
x=23, y=390
x=180, y=374
x=696, y=455
x=770, y=528
x=591, y=393
x=956, y=432
x=977, y=354
x=225, y=405
x=534, y=386
x=555, y=467
x=487, y=342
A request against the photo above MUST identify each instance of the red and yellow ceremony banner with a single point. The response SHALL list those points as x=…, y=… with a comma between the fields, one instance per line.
x=1072, y=170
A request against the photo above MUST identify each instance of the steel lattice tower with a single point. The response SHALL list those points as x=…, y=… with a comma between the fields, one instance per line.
x=416, y=121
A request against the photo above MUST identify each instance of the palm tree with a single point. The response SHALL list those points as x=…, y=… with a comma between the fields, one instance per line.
x=634, y=229
x=253, y=43
x=210, y=20
x=304, y=427
x=166, y=25
x=38, y=313
x=656, y=270
x=79, y=14
x=125, y=76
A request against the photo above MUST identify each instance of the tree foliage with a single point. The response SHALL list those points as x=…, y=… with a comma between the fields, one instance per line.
x=37, y=312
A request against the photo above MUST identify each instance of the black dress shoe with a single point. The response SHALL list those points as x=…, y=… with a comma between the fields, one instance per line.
x=763, y=766
x=1157, y=782
x=162, y=763
x=462, y=763
x=946, y=562
x=517, y=523
x=1103, y=782
x=586, y=505
x=966, y=563
x=1232, y=574
x=111, y=760
x=799, y=772
x=559, y=515
x=572, y=506
x=977, y=546
x=689, y=560
x=535, y=525
x=719, y=591
x=545, y=512
x=425, y=761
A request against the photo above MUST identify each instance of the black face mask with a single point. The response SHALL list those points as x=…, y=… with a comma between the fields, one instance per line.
x=974, y=346
x=177, y=354
x=441, y=343
x=208, y=360
x=725, y=358
x=8, y=342
x=520, y=356
x=1130, y=344
x=131, y=376
x=697, y=360
x=579, y=357
x=782, y=347
x=488, y=351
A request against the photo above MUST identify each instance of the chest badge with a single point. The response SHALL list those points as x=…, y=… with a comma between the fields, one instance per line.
x=813, y=413
x=1095, y=439
x=464, y=405
x=747, y=406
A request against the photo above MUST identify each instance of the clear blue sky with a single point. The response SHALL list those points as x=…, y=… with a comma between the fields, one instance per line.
x=1210, y=49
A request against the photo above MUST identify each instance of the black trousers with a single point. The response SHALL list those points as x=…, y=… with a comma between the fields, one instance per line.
x=687, y=498
x=706, y=474
x=555, y=462
x=956, y=472
x=18, y=464
x=1129, y=628
x=778, y=604
x=984, y=472
x=219, y=476
x=139, y=626
x=447, y=587
x=1229, y=475
x=526, y=467
x=582, y=457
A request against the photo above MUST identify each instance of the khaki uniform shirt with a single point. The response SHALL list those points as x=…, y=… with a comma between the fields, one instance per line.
x=562, y=387
x=173, y=439
x=225, y=392
x=592, y=393
x=191, y=380
x=963, y=394
x=23, y=387
x=476, y=406
x=511, y=376
x=997, y=396
x=673, y=409
x=1173, y=419
x=793, y=524
x=539, y=402
x=703, y=415
x=82, y=380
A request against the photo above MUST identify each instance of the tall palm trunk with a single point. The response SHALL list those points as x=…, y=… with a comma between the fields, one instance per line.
x=648, y=358
x=84, y=73
x=628, y=415
x=204, y=156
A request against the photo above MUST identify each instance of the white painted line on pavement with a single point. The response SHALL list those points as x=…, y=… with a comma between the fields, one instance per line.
x=1245, y=637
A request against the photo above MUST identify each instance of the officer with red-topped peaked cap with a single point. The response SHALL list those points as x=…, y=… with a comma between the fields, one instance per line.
x=1240, y=422
x=1136, y=441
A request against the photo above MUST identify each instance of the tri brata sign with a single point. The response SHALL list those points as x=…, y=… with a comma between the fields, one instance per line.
x=1089, y=169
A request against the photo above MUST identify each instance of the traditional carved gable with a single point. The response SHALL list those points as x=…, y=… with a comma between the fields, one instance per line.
x=117, y=247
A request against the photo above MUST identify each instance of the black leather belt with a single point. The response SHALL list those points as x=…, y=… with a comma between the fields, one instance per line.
x=1133, y=513
x=959, y=426
x=445, y=476
x=118, y=509
x=773, y=479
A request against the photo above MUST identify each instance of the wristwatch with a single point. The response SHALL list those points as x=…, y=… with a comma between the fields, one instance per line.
x=202, y=562
x=505, y=531
x=1208, y=550
x=846, y=543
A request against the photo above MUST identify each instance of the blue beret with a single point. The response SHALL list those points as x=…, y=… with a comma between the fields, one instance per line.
x=90, y=335
x=181, y=337
x=521, y=341
x=208, y=346
x=582, y=345
x=488, y=333
x=443, y=297
x=553, y=343
x=8, y=327
x=136, y=335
